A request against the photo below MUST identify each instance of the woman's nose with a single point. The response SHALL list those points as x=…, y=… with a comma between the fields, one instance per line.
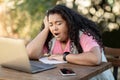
x=55, y=28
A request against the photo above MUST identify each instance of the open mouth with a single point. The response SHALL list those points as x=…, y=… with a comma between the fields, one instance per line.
x=56, y=35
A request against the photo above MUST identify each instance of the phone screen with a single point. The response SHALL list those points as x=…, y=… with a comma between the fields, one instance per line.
x=67, y=71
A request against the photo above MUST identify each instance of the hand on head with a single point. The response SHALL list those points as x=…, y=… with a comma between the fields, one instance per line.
x=46, y=23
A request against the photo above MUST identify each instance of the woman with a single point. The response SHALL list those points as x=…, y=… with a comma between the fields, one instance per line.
x=68, y=36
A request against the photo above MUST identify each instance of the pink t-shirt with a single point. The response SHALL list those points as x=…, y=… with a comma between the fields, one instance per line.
x=87, y=43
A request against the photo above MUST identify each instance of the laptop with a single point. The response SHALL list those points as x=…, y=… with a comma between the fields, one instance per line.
x=13, y=55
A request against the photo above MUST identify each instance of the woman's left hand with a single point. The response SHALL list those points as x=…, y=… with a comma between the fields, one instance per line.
x=56, y=57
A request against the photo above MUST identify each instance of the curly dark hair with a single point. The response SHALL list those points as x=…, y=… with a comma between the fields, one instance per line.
x=76, y=23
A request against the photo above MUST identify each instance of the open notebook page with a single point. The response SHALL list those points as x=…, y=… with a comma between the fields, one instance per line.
x=47, y=61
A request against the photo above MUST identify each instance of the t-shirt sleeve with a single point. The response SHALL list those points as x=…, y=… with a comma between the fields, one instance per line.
x=87, y=42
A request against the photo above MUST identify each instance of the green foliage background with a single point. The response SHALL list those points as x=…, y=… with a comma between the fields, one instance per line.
x=29, y=15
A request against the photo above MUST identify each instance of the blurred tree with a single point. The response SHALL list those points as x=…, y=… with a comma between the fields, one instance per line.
x=23, y=18
x=1, y=1
x=31, y=13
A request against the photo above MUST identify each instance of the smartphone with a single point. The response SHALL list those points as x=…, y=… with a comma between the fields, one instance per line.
x=67, y=71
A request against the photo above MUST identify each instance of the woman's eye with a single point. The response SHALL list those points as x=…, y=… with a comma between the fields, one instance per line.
x=59, y=23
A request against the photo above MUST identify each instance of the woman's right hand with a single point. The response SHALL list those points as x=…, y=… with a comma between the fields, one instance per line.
x=46, y=23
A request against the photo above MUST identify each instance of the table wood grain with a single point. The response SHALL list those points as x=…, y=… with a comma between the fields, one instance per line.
x=82, y=73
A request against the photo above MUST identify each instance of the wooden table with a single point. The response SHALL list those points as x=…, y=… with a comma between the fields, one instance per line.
x=82, y=73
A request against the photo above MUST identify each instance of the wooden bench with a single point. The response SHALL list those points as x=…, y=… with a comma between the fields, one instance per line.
x=113, y=55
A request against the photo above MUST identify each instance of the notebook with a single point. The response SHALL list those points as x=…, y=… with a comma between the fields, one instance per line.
x=13, y=55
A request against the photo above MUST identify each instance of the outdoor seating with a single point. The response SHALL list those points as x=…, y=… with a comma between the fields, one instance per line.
x=113, y=55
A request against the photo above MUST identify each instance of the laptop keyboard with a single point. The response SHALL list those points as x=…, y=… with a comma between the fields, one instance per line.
x=36, y=65
x=41, y=66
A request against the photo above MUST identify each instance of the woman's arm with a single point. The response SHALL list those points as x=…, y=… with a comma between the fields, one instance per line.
x=34, y=48
x=92, y=57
